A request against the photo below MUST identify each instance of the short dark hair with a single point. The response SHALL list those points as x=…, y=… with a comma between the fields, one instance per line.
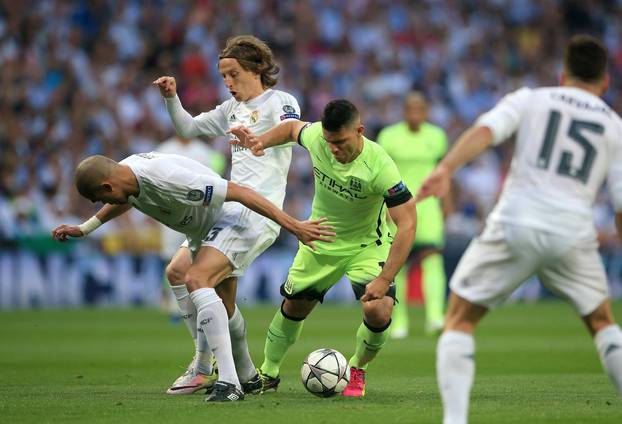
x=91, y=172
x=585, y=58
x=253, y=55
x=337, y=114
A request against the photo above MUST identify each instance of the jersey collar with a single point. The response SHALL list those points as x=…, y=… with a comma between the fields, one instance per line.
x=256, y=101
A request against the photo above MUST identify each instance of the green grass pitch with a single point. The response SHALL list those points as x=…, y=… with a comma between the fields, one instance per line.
x=535, y=364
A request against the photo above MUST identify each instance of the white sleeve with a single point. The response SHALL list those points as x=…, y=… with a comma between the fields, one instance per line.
x=210, y=123
x=193, y=188
x=286, y=108
x=614, y=177
x=504, y=119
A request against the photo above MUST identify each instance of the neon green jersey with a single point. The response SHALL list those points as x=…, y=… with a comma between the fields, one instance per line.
x=352, y=195
x=415, y=153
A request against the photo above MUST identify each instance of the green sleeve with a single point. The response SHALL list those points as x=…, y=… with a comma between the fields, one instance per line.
x=310, y=136
x=389, y=181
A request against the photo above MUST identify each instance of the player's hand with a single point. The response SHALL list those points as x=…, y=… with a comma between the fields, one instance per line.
x=63, y=232
x=167, y=86
x=377, y=289
x=246, y=138
x=437, y=184
x=314, y=230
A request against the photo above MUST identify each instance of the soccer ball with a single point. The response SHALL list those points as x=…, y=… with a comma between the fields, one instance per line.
x=325, y=372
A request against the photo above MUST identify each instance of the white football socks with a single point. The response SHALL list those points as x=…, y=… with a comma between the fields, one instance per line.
x=203, y=355
x=212, y=317
x=455, y=371
x=187, y=308
x=243, y=362
x=609, y=344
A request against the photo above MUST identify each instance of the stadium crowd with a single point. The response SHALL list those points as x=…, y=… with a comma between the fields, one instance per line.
x=76, y=80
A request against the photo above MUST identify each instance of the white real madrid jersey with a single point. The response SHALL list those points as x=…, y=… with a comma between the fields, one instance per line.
x=178, y=192
x=205, y=155
x=267, y=174
x=568, y=141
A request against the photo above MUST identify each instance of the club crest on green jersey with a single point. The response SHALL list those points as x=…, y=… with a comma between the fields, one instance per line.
x=355, y=184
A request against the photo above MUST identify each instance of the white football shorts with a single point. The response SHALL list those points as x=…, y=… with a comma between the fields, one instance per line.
x=505, y=255
x=240, y=234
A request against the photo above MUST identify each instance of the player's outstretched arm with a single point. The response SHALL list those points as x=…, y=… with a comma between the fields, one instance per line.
x=306, y=231
x=470, y=144
x=275, y=136
x=185, y=125
x=105, y=214
x=405, y=218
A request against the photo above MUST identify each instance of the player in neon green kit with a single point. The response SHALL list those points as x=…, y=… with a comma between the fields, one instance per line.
x=354, y=178
x=416, y=146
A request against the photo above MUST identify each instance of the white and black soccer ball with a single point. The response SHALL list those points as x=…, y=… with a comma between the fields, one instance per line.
x=325, y=372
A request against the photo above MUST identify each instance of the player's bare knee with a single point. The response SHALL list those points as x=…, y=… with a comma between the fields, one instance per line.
x=196, y=280
x=458, y=320
x=460, y=325
x=377, y=321
x=297, y=308
x=377, y=313
x=463, y=315
x=174, y=275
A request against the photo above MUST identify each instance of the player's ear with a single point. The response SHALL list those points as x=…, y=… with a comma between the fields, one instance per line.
x=360, y=129
x=106, y=186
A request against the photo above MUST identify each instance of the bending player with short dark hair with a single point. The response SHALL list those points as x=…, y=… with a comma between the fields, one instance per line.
x=190, y=198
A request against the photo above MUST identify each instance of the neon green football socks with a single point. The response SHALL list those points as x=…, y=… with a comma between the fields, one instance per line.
x=434, y=288
x=399, y=326
x=282, y=333
x=369, y=341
